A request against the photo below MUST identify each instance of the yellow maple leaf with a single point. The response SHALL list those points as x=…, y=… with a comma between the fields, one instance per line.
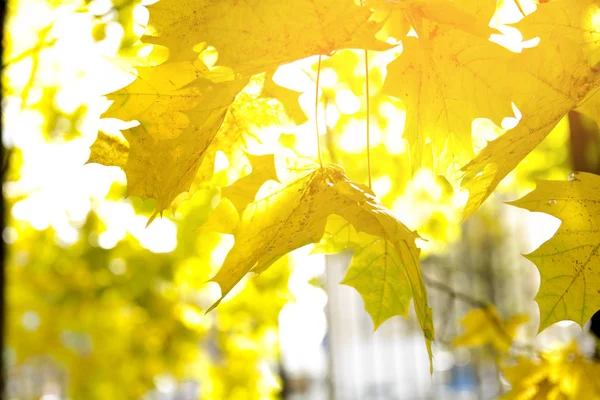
x=109, y=150
x=295, y=215
x=484, y=326
x=574, y=19
x=562, y=373
x=223, y=219
x=181, y=104
x=160, y=167
x=242, y=191
x=447, y=77
x=548, y=81
x=253, y=37
x=376, y=271
x=569, y=263
x=287, y=97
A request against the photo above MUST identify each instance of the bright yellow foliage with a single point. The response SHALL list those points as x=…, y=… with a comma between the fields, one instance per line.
x=242, y=192
x=569, y=263
x=545, y=83
x=203, y=99
x=109, y=150
x=451, y=55
x=295, y=215
x=485, y=326
x=561, y=374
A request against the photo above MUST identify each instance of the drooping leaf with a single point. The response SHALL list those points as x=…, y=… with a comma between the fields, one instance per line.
x=569, y=263
x=550, y=80
x=485, y=326
x=376, y=271
x=295, y=215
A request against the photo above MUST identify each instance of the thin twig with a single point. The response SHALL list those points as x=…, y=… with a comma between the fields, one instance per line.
x=368, y=116
x=317, y=112
x=440, y=286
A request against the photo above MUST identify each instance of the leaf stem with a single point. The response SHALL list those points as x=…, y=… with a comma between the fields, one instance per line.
x=317, y=112
x=518, y=4
x=368, y=117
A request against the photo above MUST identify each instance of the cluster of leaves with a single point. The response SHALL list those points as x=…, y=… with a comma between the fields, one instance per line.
x=448, y=74
x=115, y=329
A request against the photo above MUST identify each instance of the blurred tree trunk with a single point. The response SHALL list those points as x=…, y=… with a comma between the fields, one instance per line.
x=5, y=160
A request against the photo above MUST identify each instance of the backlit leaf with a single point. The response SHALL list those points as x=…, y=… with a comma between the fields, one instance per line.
x=449, y=76
x=109, y=150
x=295, y=215
x=569, y=263
x=252, y=37
x=242, y=192
x=485, y=326
x=563, y=373
x=548, y=81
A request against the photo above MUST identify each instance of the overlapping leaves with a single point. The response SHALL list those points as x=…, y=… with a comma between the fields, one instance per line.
x=447, y=75
x=563, y=373
x=386, y=273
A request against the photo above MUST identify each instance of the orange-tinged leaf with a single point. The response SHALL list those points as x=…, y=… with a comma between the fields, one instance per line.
x=181, y=104
x=158, y=98
x=569, y=263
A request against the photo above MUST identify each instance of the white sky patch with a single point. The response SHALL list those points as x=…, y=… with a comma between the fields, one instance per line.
x=347, y=101
x=159, y=237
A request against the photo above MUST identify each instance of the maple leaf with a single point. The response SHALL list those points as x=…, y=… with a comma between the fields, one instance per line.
x=484, y=326
x=448, y=76
x=573, y=19
x=181, y=104
x=562, y=373
x=168, y=147
x=296, y=215
x=287, y=97
x=376, y=270
x=256, y=37
x=223, y=219
x=242, y=192
x=569, y=263
x=564, y=73
x=109, y=150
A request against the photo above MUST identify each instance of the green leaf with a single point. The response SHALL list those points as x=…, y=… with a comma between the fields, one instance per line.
x=569, y=263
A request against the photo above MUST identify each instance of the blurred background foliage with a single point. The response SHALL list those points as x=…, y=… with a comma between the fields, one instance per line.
x=117, y=309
